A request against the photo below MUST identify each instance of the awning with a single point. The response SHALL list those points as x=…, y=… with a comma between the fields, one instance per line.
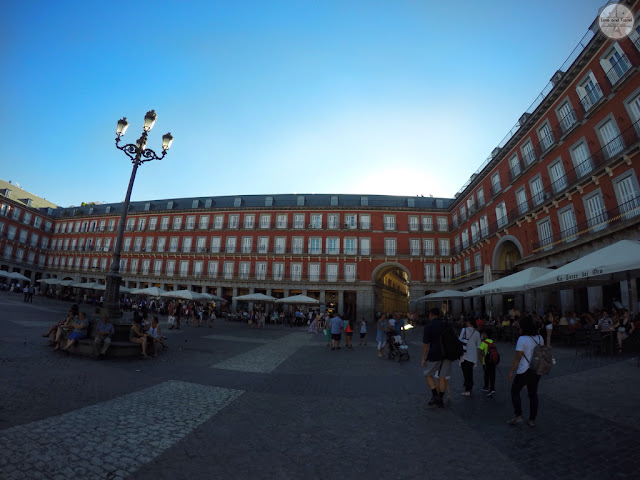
x=513, y=283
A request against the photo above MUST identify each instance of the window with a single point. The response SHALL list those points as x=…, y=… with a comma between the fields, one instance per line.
x=501, y=214
x=610, y=137
x=414, y=246
x=177, y=223
x=456, y=270
x=495, y=183
x=443, y=246
x=201, y=244
x=268, y=201
x=146, y=265
x=480, y=196
x=296, y=272
x=186, y=244
x=313, y=271
x=298, y=220
x=567, y=117
x=173, y=244
x=157, y=267
x=557, y=176
x=280, y=245
x=278, y=271
x=212, y=269
x=281, y=221
x=92, y=225
x=332, y=272
x=365, y=222
x=247, y=244
x=454, y=220
x=300, y=201
x=456, y=244
x=364, y=201
x=484, y=226
x=261, y=270
x=164, y=223
x=134, y=264
x=429, y=272
x=627, y=194
x=198, y=266
x=465, y=238
x=443, y=224
x=537, y=190
x=350, y=272
x=8, y=249
x=316, y=221
x=477, y=260
x=234, y=221
x=230, y=245
x=16, y=215
x=265, y=221
x=333, y=220
x=411, y=202
x=334, y=200
x=107, y=244
x=521, y=199
x=315, y=245
x=351, y=221
x=546, y=136
x=237, y=202
x=528, y=154
x=544, y=234
x=568, y=225
x=171, y=267
x=581, y=158
x=191, y=222
x=296, y=245
x=427, y=224
x=263, y=244
x=595, y=211
x=142, y=222
x=514, y=166
x=365, y=246
x=389, y=246
x=227, y=270
x=333, y=246
x=130, y=224
x=350, y=246
x=126, y=247
x=137, y=244
x=389, y=222
x=615, y=63
x=589, y=91
x=245, y=270
x=161, y=243
x=26, y=218
x=215, y=244
x=249, y=221
x=445, y=272
x=218, y=222
x=203, y=223
x=428, y=248
x=414, y=225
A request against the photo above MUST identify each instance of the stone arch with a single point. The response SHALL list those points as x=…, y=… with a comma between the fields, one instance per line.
x=385, y=266
x=391, y=287
x=507, y=250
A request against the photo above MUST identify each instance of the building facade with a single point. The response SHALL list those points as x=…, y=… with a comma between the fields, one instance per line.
x=563, y=182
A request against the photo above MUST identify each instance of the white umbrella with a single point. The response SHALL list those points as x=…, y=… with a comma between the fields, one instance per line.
x=209, y=297
x=67, y=283
x=184, y=294
x=516, y=282
x=18, y=276
x=125, y=290
x=256, y=298
x=609, y=264
x=89, y=285
x=298, y=300
x=442, y=295
x=50, y=281
x=151, y=291
x=4, y=273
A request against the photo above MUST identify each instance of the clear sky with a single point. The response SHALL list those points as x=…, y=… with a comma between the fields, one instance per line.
x=372, y=97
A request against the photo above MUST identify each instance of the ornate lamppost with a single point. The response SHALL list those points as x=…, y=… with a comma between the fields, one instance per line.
x=139, y=154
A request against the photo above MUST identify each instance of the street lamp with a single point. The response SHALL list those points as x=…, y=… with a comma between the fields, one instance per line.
x=139, y=154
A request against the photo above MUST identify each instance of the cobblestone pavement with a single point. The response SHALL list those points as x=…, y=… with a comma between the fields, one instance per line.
x=276, y=403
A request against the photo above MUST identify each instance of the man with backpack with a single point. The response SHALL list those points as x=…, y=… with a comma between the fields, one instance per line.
x=433, y=357
x=489, y=358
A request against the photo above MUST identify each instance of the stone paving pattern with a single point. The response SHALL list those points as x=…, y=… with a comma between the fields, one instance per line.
x=306, y=412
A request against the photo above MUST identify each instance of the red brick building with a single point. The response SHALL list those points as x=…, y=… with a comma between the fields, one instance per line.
x=562, y=183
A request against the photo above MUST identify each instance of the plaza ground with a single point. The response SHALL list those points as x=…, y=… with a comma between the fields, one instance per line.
x=275, y=403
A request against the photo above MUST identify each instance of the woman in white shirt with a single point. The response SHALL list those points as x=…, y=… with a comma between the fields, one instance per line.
x=524, y=375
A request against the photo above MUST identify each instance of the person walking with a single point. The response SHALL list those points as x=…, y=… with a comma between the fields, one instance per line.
x=488, y=365
x=363, y=332
x=336, y=325
x=432, y=359
x=470, y=339
x=381, y=334
x=525, y=377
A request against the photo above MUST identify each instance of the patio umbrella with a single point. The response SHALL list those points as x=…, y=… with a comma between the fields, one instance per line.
x=50, y=281
x=209, y=297
x=298, y=300
x=442, y=295
x=184, y=295
x=4, y=273
x=151, y=291
x=18, y=276
x=609, y=264
x=89, y=285
x=67, y=283
x=256, y=298
x=125, y=290
x=514, y=283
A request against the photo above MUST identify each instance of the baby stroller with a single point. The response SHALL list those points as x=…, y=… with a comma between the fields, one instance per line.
x=398, y=348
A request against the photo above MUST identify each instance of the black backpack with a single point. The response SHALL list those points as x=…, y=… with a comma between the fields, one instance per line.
x=492, y=357
x=451, y=346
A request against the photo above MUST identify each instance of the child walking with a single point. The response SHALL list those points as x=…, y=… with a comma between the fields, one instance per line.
x=363, y=332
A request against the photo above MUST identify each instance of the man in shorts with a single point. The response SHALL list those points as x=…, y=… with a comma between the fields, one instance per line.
x=336, y=325
x=432, y=360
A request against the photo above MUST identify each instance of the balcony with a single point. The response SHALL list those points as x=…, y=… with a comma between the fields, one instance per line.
x=515, y=171
x=618, y=69
x=591, y=98
x=545, y=144
x=567, y=122
x=496, y=189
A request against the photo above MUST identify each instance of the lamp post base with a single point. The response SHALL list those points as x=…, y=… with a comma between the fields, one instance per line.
x=111, y=304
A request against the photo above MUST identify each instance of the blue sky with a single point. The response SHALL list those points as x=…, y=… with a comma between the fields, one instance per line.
x=371, y=97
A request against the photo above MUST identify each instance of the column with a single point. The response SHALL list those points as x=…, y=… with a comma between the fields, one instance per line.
x=364, y=304
x=632, y=305
x=251, y=290
x=234, y=302
x=566, y=301
x=340, y=302
x=595, y=298
x=322, y=301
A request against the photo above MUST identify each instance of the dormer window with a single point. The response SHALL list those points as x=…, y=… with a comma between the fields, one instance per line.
x=107, y=210
x=147, y=206
x=364, y=201
x=268, y=202
x=300, y=202
x=411, y=202
x=334, y=200
x=170, y=205
x=195, y=204
x=208, y=203
x=90, y=210
x=237, y=202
